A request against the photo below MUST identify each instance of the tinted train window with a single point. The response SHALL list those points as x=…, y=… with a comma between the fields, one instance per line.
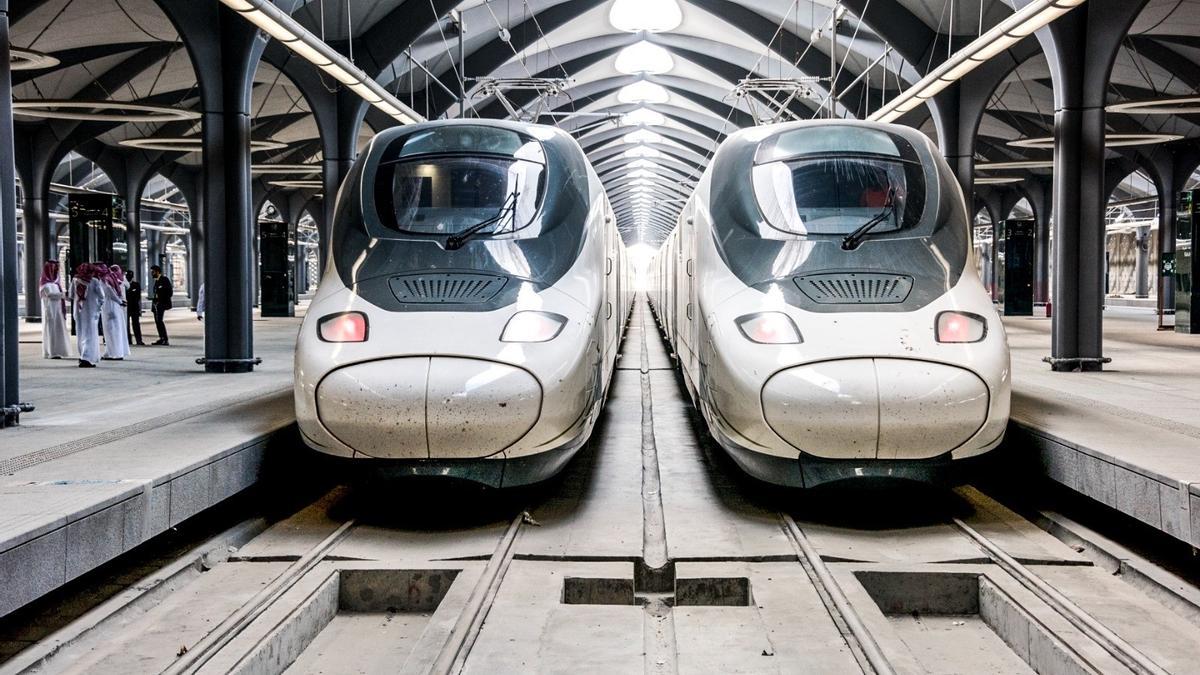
x=452, y=179
x=831, y=181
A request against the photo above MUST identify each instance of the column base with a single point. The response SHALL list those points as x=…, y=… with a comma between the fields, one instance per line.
x=1078, y=364
x=229, y=365
x=33, y=319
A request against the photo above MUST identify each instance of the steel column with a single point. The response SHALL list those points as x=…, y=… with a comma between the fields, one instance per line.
x=37, y=251
x=229, y=273
x=1142, y=262
x=1080, y=48
x=11, y=408
x=1041, y=257
x=1077, y=331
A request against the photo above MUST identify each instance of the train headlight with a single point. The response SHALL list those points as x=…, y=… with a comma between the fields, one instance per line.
x=343, y=327
x=955, y=327
x=530, y=326
x=769, y=328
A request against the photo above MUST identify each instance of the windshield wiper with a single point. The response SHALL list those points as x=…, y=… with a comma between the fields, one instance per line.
x=456, y=242
x=852, y=240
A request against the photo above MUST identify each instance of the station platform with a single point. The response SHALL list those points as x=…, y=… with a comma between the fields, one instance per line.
x=115, y=455
x=1129, y=436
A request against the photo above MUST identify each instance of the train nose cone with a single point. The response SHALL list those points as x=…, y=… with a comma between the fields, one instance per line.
x=477, y=408
x=429, y=407
x=875, y=408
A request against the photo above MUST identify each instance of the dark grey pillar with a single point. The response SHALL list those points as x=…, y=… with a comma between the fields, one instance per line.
x=133, y=236
x=229, y=222
x=195, y=267
x=37, y=251
x=1041, y=259
x=229, y=271
x=11, y=407
x=333, y=172
x=1080, y=48
x=1168, y=206
x=1142, y=264
x=1077, y=331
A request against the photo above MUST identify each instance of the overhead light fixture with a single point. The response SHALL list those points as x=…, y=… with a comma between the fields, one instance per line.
x=644, y=57
x=643, y=92
x=643, y=136
x=279, y=25
x=29, y=59
x=643, y=117
x=1111, y=140
x=655, y=16
x=1179, y=105
x=188, y=144
x=298, y=184
x=1024, y=164
x=641, y=174
x=998, y=180
x=102, y=111
x=1007, y=33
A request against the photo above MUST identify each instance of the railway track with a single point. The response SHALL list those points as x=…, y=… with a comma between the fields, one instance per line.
x=689, y=569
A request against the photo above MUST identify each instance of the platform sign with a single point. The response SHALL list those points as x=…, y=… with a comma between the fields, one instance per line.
x=276, y=249
x=1017, y=275
x=1187, y=265
x=91, y=218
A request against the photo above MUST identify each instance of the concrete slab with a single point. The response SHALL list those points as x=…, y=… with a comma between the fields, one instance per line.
x=595, y=508
x=88, y=477
x=761, y=638
x=708, y=510
x=529, y=630
x=1167, y=638
x=1127, y=437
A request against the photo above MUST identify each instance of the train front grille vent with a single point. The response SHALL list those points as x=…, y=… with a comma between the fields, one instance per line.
x=855, y=288
x=446, y=288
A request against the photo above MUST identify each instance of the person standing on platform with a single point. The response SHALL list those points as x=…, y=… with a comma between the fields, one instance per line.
x=89, y=295
x=116, y=337
x=133, y=307
x=56, y=342
x=160, y=302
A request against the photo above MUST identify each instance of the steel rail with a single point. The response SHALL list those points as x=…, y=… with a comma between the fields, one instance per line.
x=1114, y=644
x=457, y=647
x=868, y=653
x=210, y=645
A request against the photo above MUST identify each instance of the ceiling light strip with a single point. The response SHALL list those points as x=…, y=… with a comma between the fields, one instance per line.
x=274, y=22
x=1007, y=33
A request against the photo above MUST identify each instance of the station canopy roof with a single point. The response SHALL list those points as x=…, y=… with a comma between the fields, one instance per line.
x=648, y=87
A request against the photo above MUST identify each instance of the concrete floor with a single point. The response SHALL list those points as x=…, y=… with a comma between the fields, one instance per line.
x=1129, y=436
x=115, y=455
x=561, y=598
x=72, y=402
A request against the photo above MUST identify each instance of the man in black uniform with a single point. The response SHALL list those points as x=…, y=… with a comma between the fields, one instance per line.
x=133, y=305
x=160, y=302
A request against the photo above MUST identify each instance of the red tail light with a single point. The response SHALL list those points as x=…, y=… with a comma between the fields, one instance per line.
x=344, y=327
x=960, y=327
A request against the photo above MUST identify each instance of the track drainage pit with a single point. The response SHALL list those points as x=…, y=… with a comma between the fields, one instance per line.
x=713, y=592
x=687, y=592
x=355, y=621
x=597, y=591
x=963, y=622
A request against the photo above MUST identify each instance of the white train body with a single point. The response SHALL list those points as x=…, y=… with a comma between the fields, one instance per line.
x=869, y=384
x=483, y=355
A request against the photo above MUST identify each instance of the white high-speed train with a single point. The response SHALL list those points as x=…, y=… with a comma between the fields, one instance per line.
x=472, y=307
x=819, y=294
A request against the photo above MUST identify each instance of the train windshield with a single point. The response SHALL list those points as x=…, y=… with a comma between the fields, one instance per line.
x=834, y=180
x=460, y=183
